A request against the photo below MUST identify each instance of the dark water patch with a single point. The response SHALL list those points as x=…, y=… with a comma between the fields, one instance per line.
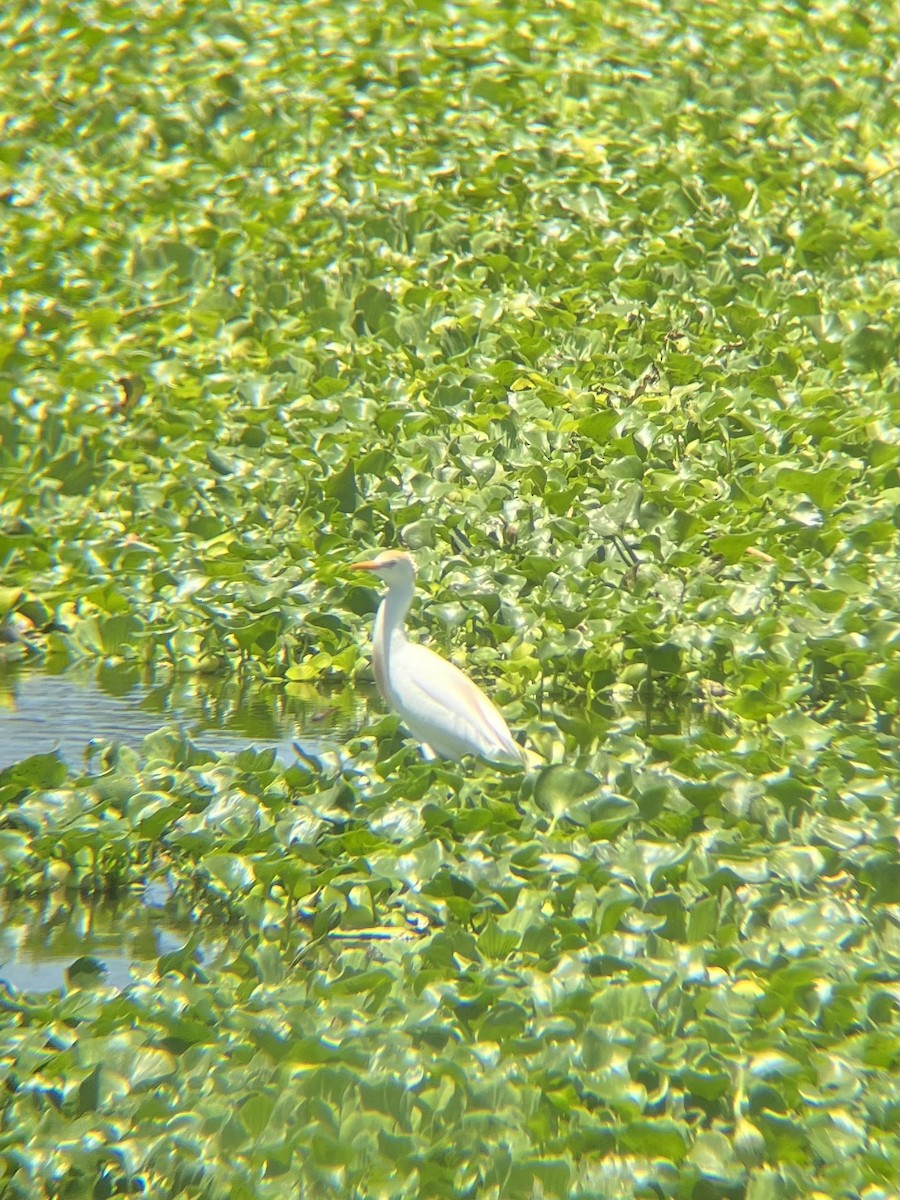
x=45, y=942
x=41, y=712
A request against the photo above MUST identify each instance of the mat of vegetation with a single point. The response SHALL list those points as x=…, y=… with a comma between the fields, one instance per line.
x=593, y=308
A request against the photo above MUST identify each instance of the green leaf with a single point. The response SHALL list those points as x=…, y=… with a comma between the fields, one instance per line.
x=255, y=1112
x=656, y=1139
x=232, y=871
x=704, y=920
x=89, y=1092
x=86, y=971
x=150, y=1067
x=118, y=631
x=342, y=488
x=825, y=488
x=713, y=1156
x=560, y=789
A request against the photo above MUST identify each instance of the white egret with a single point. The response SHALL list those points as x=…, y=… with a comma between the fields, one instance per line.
x=440, y=706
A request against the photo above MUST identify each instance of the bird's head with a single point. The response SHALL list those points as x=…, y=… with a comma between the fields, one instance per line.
x=393, y=566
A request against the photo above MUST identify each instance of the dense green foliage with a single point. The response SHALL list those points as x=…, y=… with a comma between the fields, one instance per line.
x=593, y=308
x=450, y=985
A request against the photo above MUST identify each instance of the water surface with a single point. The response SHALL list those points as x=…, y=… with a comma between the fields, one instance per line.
x=40, y=938
x=41, y=712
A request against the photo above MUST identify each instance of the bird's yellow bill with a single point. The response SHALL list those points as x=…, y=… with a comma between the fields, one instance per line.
x=364, y=566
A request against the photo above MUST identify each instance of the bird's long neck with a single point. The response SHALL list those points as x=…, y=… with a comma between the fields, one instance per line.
x=389, y=630
x=392, y=611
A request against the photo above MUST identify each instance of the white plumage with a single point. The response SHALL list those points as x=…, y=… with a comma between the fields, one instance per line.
x=441, y=707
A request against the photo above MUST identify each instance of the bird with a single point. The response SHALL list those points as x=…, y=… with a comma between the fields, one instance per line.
x=447, y=714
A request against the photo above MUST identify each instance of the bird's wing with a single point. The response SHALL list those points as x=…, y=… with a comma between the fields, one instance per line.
x=434, y=695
